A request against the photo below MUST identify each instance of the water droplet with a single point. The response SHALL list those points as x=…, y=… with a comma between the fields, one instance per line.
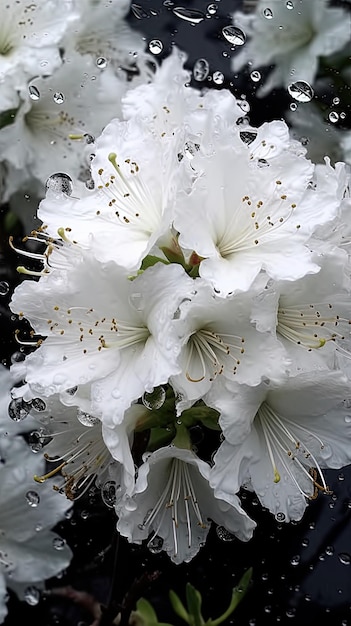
x=60, y=183
x=4, y=288
x=37, y=439
x=329, y=550
x=155, y=46
x=18, y=409
x=32, y=595
x=244, y=105
x=223, y=534
x=301, y=91
x=344, y=558
x=155, y=544
x=247, y=136
x=218, y=78
x=212, y=9
x=101, y=62
x=86, y=419
x=190, y=150
x=108, y=493
x=84, y=514
x=201, y=69
x=59, y=543
x=342, y=115
x=295, y=560
x=189, y=15
x=268, y=13
x=34, y=92
x=234, y=35
x=280, y=516
x=290, y=612
x=293, y=106
x=38, y=404
x=89, y=138
x=154, y=399
x=90, y=184
x=333, y=117
x=59, y=97
x=341, y=476
x=32, y=498
x=289, y=5
x=72, y=391
x=137, y=301
x=38, y=528
x=336, y=100
x=138, y=11
x=255, y=76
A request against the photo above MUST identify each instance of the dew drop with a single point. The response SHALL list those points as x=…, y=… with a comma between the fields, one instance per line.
x=341, y=476
x=32, y=595
x=336, y=100
x=344, y=558
x=37, y=439
x=223, y=534
x=86, y=419
x=218, y=78
x=101, y=62
x=59, y=97
x=255, y=76
x=244, y=105
x=333, y=117
x=108, y=493
x=329, y=550
x=280, y=516
x=38, y=404
x=289, y=5
x=32, y=498
x=154, y=399
x=155, y=46
x=293, y=106
x=4, y=288
x=201, y=69
x=234, y=35
x=247, y=136
x=189, y=15
x=60, y=183
x=18, y=409
x=295, y=560
x=59, y=543
x=212, y=9
x=137, y=301
x=301, y=91
x=268, y=14
x=34, y=93
x=88, y=138
x=155, y=544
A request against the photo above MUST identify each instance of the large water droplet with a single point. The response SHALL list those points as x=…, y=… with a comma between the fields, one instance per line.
x=289, y=5
x=18, y=409
x=280, y=516
x=268, y=13
x=247, y=136
x=344, y=558
x=108, y=493
x=59, y=543
x=34, y=92
x=101, y=62
x=4, y=288
x=234, y=35
x=301, y=91
x=333, y=117
x=189, y=15
x=32, y=595
x=37, y=439
x=60, y=183
x=38, y=404
x=155, y=46
x=218, y=78
x=155, y=544
x=59, y=97
x=201, y=69
x=86, y=419
x=154, y=399
x=223, y=534
x=32, y=498
x=255, y=76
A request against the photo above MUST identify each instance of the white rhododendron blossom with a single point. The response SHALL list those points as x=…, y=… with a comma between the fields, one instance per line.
x=173, y=506
x=292, y=36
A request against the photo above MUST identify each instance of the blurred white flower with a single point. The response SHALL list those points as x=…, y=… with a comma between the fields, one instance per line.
x=292, y=36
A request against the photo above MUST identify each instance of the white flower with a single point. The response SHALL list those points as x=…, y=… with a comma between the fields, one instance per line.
x=246, y=213
x=30, y=36
x=293, y=40
x=131, y=205
x=279, y=439
x=173, y=501
x=57, y=115
x=103, y=328
x=221, y=342
x=29, y=551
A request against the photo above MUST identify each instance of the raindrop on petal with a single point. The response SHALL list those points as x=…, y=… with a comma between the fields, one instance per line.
x=38, y=404
x=301, y=91
x=101, y=62
x=333, y=117
x=155, y=545
x=344, y=558
x=86, y=419
x=234, y=35
x=59, y=97
x=280, y=516
x=255, y=76
x=201, y=69
x=155, y=46
x=18, y=409
x=218, y=78
x=223, y=534
x=108, y=493
x=60, y=183
x=4, y=288
x=138, y=11
x=268, y=13
x=154, y=399
x=189, y=15
x=59, y=543
x=32, y=595
x=32, y=498
x=34, y=92
x=289, y=5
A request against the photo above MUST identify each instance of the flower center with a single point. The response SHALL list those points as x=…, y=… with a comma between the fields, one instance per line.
x=209, y=353
x=310, y=325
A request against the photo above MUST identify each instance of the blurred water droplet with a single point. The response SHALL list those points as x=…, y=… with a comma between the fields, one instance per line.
x=341, y=476
x=223, y=534
x=293, y=106
x=234, y=35
x=212, y=9
x=59, y=543
x=342, y=115
x=84, y=514
x=38, y=528
x=305, y=542
x=333, y=117
x=32, y=498
x=301, y=91
x=86, y=419
x=34, y=92
x=108, y=493
x=88, y=138
x=154, y=399
x=336, y=100
x=4, y=288
x=32, y=595
x=138, y=11
x=268, y=13
x=295, y=560
x=155, y=46
x=18, y=409
x=344, y=558
x=38, y=404
x=17, y=356
x=329, y=550
x=59, y=97
x=201, y=69
x=289, y=5
x=189, y=15
x=244, y=105
x=101, y=62
x=280, y=516
x=155, y=545
x=60, y=183
x=290, y=612
x=255, y=76
x=218, y=78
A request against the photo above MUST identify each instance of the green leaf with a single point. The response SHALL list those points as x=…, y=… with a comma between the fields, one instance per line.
x=151, y=260
x=237, y=596
x=178, y=607
x=194, y=601
x=146, y=611
x=160, y=437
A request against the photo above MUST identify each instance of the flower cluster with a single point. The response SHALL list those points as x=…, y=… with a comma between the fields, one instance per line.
x=202, y=280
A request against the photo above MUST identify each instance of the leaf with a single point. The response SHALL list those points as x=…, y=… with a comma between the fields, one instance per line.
x=194, y=601
x=178, y=606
